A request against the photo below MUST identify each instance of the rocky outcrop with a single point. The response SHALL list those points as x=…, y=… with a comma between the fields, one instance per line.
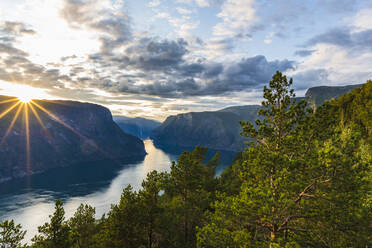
x=60, y=133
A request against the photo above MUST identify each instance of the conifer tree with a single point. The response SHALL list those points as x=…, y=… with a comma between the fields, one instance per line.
x=293, y=182
x=55, y=233
x=150, y=207
x=82, y=227
x=189, y=192
x=11, y=235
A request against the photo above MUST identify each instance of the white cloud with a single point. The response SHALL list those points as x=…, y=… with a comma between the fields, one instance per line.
x=336, y=66
x=154, y=3
x=363, y=20
x=182, y=26
x=237, y=17
x=184, y=11
x=202, y=3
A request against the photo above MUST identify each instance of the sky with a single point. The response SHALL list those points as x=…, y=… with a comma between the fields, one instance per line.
x=155, y=58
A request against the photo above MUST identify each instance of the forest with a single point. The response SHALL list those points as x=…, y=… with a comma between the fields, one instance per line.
x=303, y=180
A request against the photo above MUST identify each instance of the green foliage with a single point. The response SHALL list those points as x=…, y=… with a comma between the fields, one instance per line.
x=304, y=181
x=189, y=191
x=82, y=227
x=151, y=208
x=123, y=225
x=56, y=233
x=11, y=235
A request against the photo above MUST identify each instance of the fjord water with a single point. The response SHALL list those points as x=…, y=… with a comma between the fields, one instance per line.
x=30, y=201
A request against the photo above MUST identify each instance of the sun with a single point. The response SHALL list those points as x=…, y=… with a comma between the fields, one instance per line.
x=25, y=99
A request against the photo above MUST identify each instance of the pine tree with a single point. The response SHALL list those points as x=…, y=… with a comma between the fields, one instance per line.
x=82, y=226
x=54, y=234
x=150, y=206
x=123, y=227
x=293, y=182
x=11, y=235
x=189, y=192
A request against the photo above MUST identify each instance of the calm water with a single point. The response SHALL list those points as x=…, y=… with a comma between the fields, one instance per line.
x=30, y=201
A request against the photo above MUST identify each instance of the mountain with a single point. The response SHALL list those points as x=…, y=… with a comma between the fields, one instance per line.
x=220, y=130
x=139, y=127
x=321, y=93
x=61, y=133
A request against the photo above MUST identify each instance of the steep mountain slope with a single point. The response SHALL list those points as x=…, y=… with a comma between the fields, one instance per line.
x=220, y=130
x=61, y=133
x=139, y=127
x=321, y=93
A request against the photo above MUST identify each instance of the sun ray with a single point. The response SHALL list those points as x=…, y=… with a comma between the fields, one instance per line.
x=9, y=109
x=40, y=121
x=58, y=120
x=10, y=100
x=28, y=148
x=70, y=128
x=11, y=125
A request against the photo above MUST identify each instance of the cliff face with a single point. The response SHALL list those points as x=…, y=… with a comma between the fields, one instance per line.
x=321, y=93
x=61, y=133
x=139, y=127
x=220, y=130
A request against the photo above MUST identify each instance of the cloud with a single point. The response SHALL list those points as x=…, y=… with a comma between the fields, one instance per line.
x=113, y=27
x=184, y=11
x=154, y=3
x=344, y=37
x=164, y=70
x=311, y=77
x=202, y=3
x=16, y=28
x=304, y=53
x=237, y=17
x=9, y=49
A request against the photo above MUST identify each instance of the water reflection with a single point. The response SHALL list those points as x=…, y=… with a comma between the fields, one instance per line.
x=31, y=201
x=97, y=184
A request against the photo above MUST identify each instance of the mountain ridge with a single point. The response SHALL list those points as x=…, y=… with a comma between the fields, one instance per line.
x=220, y=129
x=61, y=133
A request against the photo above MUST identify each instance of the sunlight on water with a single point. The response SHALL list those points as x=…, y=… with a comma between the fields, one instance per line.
x=32, y=208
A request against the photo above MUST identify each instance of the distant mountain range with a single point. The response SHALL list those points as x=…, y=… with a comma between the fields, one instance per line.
x=139, y=127
x=220, y=130
x=61, y=133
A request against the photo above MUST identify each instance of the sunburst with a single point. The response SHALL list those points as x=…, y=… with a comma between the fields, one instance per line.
x=27, y=105
x=25, y=99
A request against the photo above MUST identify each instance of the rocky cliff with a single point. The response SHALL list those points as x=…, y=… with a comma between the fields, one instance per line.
x=45, y=134
x=220, y=130
x=321, y=93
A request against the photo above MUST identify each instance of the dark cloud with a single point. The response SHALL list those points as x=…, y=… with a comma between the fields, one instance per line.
x=196, y=79
x=149, y=54
x=304, y=53
x=344, y=37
